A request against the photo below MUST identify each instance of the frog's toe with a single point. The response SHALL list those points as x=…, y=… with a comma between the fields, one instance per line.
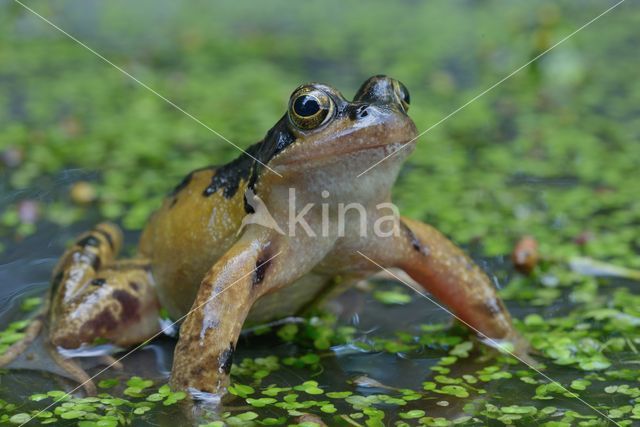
x=206, y=399
x=515, y=345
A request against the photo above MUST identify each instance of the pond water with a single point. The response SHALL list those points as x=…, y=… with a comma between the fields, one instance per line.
x=550, y=152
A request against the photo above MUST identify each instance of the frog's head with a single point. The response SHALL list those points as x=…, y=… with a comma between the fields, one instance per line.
x=324, y=132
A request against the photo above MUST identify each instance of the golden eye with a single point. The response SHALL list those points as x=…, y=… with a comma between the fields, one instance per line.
x=310, y=108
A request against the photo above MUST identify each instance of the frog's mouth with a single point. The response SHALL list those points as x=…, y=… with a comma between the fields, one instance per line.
x=335, y=155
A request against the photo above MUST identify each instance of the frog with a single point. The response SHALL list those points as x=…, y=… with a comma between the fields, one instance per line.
x=225, y=250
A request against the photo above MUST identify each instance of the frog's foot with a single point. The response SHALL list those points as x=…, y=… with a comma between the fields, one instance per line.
x=74, y=370
x=447, y=273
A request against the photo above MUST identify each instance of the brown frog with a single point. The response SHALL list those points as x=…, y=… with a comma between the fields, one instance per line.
x=226, y=248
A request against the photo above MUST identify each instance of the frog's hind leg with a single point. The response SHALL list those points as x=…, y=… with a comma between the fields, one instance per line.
x=96, y=299
x=444, y=270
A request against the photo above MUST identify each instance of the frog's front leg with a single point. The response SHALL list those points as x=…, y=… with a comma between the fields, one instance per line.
x=444, y=270
x=260, y=262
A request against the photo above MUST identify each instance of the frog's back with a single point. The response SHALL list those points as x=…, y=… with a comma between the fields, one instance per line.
x=195, y=226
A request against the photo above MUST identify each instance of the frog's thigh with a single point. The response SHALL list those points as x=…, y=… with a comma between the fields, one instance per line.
x=208, y=336
x=444, y=270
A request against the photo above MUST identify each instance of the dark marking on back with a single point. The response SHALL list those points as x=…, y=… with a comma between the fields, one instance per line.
x=228, y=177
x=135, y=286
x=130, y=305
x=415, y=242
x=90, y=240
x=226, y=359
x=275, y=141
x=98, y=282
x=244, y=167
x=183, y=184
x=107, y=237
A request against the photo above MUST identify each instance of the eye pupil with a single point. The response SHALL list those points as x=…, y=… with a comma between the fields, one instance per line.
x=306, y=106
x=310, y=108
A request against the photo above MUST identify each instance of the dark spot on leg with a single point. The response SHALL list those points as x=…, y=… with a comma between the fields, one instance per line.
x=134, y=285
x=98, y=282
x=55, y=283
x=98, y=326
x=415, y=243
x=262, y=265
x=196, y=371
x=96, y=262
x=107, y=237
x=130, y=305
x=226, y=359
x=89, y=241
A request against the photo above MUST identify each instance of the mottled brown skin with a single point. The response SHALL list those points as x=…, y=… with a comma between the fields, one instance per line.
x=215, y=273
x=94, y=297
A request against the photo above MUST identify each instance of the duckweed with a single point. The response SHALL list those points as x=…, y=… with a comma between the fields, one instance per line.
x=550, y=153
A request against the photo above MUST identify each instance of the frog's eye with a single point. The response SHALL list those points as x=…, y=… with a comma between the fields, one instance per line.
x=310, y=108
x=403, y=94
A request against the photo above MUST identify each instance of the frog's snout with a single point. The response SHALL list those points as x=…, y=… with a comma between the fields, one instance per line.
x=383, y=90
